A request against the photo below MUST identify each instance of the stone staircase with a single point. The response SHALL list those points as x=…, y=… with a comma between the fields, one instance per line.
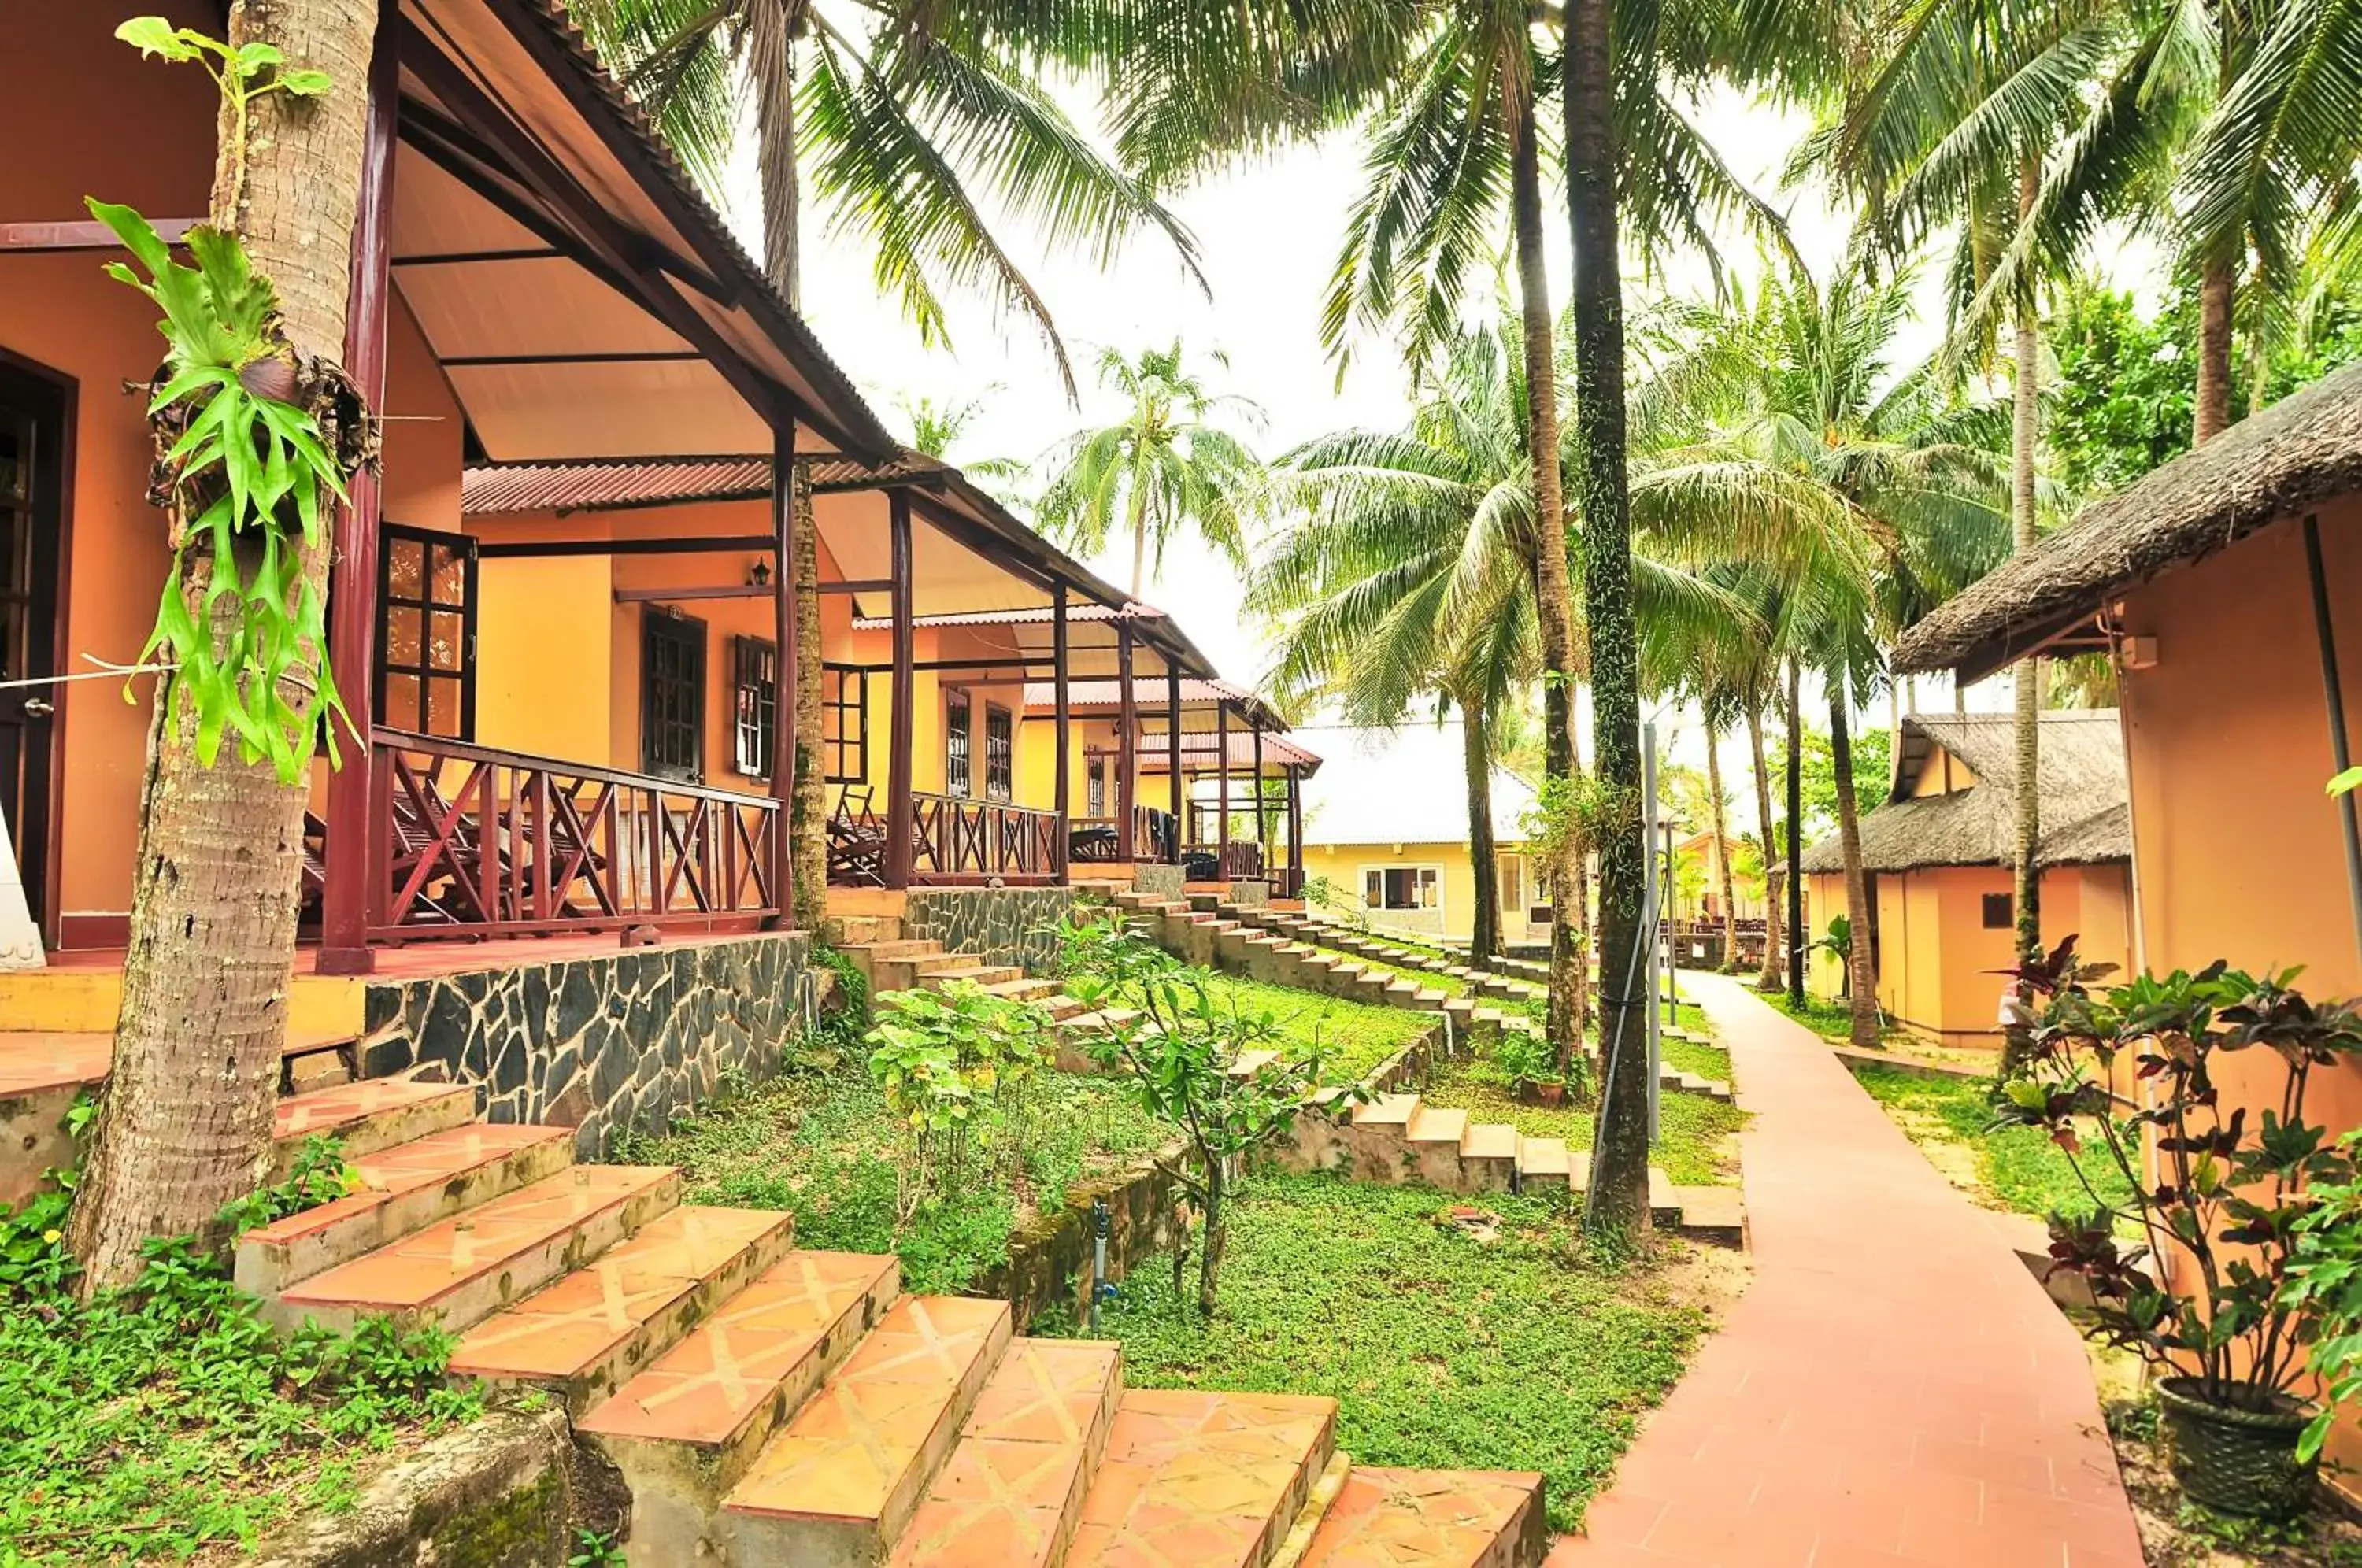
x=769, y=1404
x=1397, y=1137
x=1284, y=948
x=892, y=962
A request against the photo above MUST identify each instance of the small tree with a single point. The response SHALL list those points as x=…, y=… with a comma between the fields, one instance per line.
x=955, y=1066
x=1181, y=1051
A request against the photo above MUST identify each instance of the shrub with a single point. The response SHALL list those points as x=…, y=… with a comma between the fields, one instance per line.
x=954, y=1066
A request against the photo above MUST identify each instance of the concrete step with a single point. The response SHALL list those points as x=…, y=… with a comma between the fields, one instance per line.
x=1435, y=1519
x=1247, y=1064
x=849, y=931
x=685, y=1429
x=590, y=1332
x=909, y=974
x=867, y=955
x=1488, y=1157
x=844, y=1478
x=1023, y=988
x=460, y=1271
x=366, y=1118
x=1211, y=1480
x=1433, y=1136
x=974, y=973
x=403, y=1189
x=1011, y=1494
x=1543, y=1162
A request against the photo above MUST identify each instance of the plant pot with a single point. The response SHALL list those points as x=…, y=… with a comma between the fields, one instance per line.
x=1542, y=1094
x=2232, y=1460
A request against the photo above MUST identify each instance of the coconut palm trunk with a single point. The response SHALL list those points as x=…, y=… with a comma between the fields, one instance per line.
x=1618, y=1200
x=1554, y=592
x=1860, y=971
x=184, y=1126
x=2217, y=289
x=1475, y=752
x=1722, y=847
x=1768, y=979
x=809, y=828
x=2025, y=430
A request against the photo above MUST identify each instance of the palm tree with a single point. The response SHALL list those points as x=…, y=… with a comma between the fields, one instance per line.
x=939, y=427
x=1164, y=467
x=1912, y=482
x=902, y=125
x=185, y=1127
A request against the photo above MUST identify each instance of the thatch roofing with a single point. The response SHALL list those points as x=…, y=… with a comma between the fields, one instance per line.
x=2085, y=820
x=2295, y=454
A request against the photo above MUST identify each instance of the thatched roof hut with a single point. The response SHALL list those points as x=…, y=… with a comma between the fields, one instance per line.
x=2084, y=818
x=2295, y=455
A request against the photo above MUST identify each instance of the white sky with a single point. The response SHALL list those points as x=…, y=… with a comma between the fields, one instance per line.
x=1267, y=234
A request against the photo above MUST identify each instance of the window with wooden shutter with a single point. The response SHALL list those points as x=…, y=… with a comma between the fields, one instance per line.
x=425, y=676
x=999, y=752
x=754, y=704
x=957, y=773
x=845, y=724
x=672, y=695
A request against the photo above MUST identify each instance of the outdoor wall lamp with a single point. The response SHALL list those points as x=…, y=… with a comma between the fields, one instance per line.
x=759, y=574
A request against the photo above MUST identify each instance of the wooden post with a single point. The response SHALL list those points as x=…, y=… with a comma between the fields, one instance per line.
x=786, y=672
x=1066, y=732
x=1295, y=828
x=349, y=862
x=899, y=825
x=1173, y=754
x=1263, y=818
x=1127, y=731
x=1222, y=772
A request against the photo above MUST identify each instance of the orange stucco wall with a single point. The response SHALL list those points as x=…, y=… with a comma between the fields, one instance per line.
x=1935, y=957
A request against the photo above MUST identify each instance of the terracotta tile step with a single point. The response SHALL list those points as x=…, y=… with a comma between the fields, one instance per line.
x=981, y=974
x=1211, y=1480
x=1024, y=988
x=460, y=1271
x=592, y=1330
x=864, y=954
x=32, y=1060
x=686, y=1428
x=368, y=1117
x=838, y=1485
x=1432, y=1518
x=1010, y=1495
x=404, y=1188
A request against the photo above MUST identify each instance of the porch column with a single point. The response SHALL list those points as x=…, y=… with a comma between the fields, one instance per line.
x=350, y=863
x=1222, y=772
x=1263, y=818
x=1173, y=753
x=1127, y=731
x=786, y=672
x=1296, y=827
x=1066, y=731
x=897, y=760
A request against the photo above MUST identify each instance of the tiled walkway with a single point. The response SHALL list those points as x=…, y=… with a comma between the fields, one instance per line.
x=1892, y=1388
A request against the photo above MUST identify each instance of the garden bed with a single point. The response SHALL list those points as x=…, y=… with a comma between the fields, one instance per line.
x=1443, y=1350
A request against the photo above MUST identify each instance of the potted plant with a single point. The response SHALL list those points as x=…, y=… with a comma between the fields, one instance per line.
x=1532, y=1071
x=2219, y=1188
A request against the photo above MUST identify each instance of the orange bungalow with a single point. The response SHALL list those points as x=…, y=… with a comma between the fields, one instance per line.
x=564, y=594
x=1938, y=856
x=2222, y=586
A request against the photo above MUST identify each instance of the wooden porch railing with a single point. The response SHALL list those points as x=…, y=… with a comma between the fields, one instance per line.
x=959, y=840
x=479, y=842
x=1240, y=860
x=1101, y=840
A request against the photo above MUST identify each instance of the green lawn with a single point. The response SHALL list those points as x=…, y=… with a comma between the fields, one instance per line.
x=2016, y=1167
x=1352, y=1037
x=822, y=1146
x=1693, y=1145
x=1442, y=1352
x=1708, y=1061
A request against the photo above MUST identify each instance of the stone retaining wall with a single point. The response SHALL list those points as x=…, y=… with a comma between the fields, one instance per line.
x=999, y=925
x=600, y=1043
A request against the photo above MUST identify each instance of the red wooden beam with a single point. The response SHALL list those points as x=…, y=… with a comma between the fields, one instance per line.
x=897, y=758
x=787, y=672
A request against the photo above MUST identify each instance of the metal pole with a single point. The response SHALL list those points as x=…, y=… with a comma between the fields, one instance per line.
x=2334, y=693
x=1063, y=793
x=1651, y=917
x=1795, y=888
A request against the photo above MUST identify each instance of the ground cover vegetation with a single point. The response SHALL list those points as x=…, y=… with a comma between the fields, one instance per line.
x=1504, y=1345
x=1696, y=1145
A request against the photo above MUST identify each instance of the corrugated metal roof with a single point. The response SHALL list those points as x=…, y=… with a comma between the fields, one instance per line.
x=579, y=487
x=1036, y=615
x=1198, y=751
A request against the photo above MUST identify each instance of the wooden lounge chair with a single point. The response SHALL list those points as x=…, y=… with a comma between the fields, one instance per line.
x=856, y=840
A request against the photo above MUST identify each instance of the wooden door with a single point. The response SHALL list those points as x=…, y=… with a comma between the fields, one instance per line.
x=32, y=507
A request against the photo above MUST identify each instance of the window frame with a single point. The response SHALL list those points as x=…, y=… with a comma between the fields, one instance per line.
x=1000, y=753
x=959, y=743
x=2007, y=903
x=836, y=743
x=425, y=608
x=658, y=624
x=1421, y=873
x=1095, y=786
x=754, y=705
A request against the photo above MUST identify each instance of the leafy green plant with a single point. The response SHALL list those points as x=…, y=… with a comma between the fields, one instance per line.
x=1527, y=1059
x=954, y=1066
x=242, y=466
x=318, y=1175
x=2222, y=1192
x=1213, y=1073
x=597, y=1548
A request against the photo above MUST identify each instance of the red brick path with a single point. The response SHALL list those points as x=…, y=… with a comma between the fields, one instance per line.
x=1892, y=1388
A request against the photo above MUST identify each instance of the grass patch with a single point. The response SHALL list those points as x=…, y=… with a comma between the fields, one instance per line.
x=1442, y=1351
x=822, y=1146
x=157, y=1421
x=1694, y=1132
x=2015, y=1167
x=1352, y=1037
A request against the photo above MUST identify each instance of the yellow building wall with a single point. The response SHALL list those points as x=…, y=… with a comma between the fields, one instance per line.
x=1343, y=864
